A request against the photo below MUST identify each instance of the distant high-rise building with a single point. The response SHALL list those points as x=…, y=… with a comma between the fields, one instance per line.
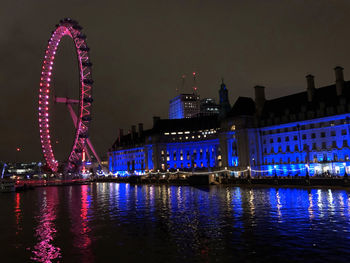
x=209, y=107
x=224, y=101
x=184, y=106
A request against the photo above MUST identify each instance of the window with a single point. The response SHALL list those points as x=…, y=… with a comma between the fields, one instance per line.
x=265, y=151
x=295, y=138
x=303, y=127
x=279, y=149
x=188, y=156
x=271, y=140
x=304, y=136
x=264, y=142
x=323, y=134
x=312, y=126
x=287, y=148
x=343, y=132
x=305, y=147
x=278, y=131
x=335, y=157
x=324, y=145
x=345, y=143
x=285, y=129
x=279, y=139
x=313, y=135
x=296, y=148
x=334, y=144
x=287, y=139
x=333, y=133
x=314, y=146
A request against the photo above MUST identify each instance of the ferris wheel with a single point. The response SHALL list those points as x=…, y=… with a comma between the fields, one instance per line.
x=81, y=118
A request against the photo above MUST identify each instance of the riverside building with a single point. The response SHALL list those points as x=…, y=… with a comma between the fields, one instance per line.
x=306, y=133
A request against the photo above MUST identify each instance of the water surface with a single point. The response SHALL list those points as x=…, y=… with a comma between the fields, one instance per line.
x=110, y=222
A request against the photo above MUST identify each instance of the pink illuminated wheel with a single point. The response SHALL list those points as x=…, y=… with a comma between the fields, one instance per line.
x=66, y=27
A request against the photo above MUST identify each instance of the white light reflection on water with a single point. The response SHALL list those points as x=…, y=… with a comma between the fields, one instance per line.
x=310, y=207
x=320, y=203
x=330, y=201
x=278, y=206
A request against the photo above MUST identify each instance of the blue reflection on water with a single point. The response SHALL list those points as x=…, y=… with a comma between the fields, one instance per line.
x=179, y=223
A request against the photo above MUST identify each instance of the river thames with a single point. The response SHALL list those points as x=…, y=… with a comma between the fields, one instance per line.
x=111, y=222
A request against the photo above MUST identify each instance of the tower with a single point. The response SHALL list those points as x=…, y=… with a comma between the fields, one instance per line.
x=224, y=101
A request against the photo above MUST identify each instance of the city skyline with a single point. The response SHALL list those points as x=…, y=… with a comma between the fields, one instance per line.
x=143, y=61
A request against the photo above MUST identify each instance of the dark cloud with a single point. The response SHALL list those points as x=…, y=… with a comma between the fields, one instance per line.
x=141, y=48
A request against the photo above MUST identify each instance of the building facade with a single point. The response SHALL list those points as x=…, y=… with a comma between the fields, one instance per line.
x=208, y=107
x=306, y=133
x=184, y=106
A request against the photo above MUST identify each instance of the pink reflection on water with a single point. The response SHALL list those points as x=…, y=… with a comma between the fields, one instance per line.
x=18, y=213
x=45, y=250
x=84, y=221
x=80, y=224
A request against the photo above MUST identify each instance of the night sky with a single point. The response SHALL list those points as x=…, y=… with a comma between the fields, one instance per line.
x=141, y=48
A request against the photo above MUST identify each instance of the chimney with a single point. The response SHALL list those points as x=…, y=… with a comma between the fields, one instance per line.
x=155, y=120
x=120, y=134
x=310, y=87
x=339, y=80
x=140, y=129
x=259, y=98
x=133, y=131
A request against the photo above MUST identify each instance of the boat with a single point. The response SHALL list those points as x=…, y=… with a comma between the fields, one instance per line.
x=7, y=186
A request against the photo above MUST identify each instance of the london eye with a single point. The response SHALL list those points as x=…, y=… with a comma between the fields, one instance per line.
x=81, y=117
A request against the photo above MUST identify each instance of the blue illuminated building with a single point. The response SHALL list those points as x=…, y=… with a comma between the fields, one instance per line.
x=306, y=133
x=184, y=106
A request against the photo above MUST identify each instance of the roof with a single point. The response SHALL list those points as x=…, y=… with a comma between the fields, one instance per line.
x=132, y=139
x=292, y=104
x=199, y=123
x=168, y=125
x=242, y=106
